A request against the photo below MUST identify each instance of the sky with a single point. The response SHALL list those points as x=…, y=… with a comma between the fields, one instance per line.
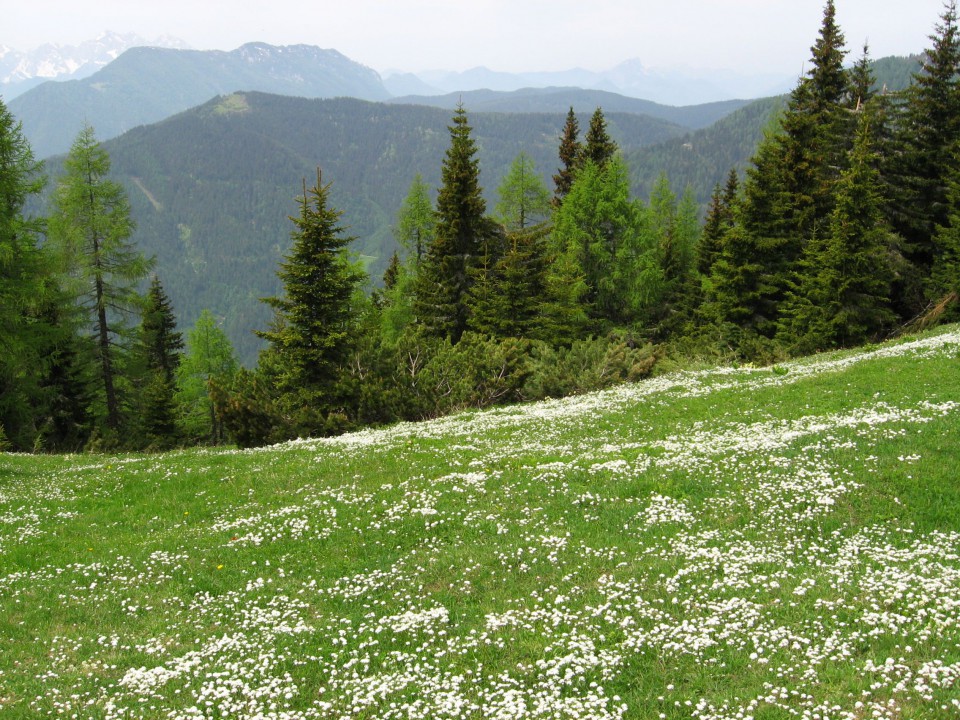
x=755, y=37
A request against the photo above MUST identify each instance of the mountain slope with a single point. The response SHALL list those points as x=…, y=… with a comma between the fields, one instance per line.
x=729, y=543
x=212, y=188
x=560, y=99
x=146, y=85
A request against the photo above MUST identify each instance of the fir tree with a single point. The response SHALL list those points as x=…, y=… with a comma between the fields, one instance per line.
x=570, y=150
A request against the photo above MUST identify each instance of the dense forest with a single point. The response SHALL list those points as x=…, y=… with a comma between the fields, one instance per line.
x=843, y=228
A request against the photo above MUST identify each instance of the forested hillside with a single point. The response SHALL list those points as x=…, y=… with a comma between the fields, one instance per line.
x=558, y=99
x=148, y=84
x=212, y=189
x=400, y=263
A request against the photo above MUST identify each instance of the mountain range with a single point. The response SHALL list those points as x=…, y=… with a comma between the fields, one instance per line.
x=22, y=70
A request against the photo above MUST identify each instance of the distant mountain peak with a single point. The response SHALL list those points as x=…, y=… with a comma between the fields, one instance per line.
x=52, y=61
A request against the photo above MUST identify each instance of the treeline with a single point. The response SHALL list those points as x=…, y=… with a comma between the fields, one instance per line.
x=845, y=228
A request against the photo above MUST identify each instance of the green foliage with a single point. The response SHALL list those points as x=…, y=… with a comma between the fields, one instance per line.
x=312, y=329
x=598, y=147
x=523, y=196
x=569, y=152
x=842, y=292
x=247, y=409
x=416, y=222
x=209, y=358
x=600, y=229
x=157, y=354
x=924, y=163
x=464, y=239
x=90, y=229
x=26, y=336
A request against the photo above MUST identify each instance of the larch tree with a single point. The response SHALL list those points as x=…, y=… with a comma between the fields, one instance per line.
x=523, y=196
x=209, y=357
x=90, y=227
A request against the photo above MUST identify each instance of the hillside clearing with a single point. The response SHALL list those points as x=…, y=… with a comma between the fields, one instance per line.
x=732, y=543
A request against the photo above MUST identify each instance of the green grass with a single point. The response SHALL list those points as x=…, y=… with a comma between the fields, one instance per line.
x=765, y=543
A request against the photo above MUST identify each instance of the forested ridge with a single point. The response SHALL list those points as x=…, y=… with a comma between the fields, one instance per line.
x=842, y=229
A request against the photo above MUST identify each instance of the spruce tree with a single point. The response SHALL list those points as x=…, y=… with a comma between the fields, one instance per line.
x=90, y=227
x=841, y=296
x=25, y=336
x=570, y=150
x=158, y=351
x=513, y=304
x=598, y=148
x=311, y=332
x=464, y=239
x=928, y=128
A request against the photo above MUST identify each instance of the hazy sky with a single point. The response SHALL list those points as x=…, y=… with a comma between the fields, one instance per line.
x=761, y=36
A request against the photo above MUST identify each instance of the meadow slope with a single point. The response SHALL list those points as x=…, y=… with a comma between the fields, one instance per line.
x=723, y=544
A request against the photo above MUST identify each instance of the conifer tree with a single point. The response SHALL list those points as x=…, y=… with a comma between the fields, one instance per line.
x=25, y=336
x=90, y=227
x=513, y=304
x=523, y=197
x=570, y=150
x=464, y=239
x=209, y=358
x=841, y=297
x=598, y=148
x=311, y=332
x=718, y=221
x=416, y=221
x=600, y=229
x=928, y=128
x=158, y=351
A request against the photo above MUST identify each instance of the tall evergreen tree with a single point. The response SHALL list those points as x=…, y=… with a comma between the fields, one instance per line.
x=91, y=226
x=158, y=351
x=928, y=128
x=25, y=337
x=570, y=150
x=841, y=297
x=465, y=239
x=311, y=332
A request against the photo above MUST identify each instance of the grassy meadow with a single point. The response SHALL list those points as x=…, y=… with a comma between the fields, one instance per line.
x=724, y=544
